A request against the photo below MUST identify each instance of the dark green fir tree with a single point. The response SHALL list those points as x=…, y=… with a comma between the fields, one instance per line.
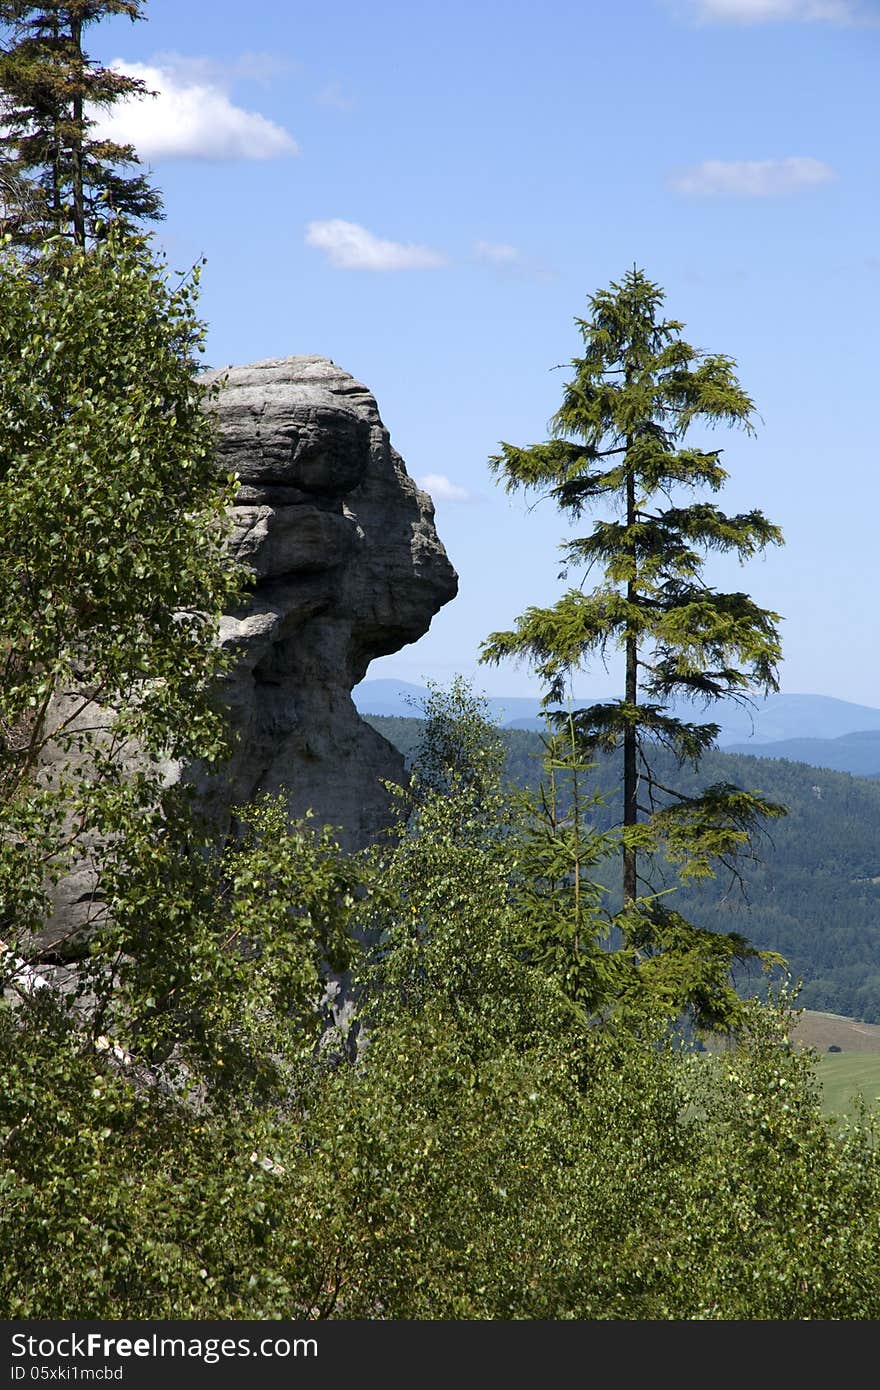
x=620, y=440
x=56, y=177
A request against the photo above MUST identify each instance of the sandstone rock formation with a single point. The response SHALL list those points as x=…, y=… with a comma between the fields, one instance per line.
x=347, y=566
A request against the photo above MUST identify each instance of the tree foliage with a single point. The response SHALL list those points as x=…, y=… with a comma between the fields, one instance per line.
x=55, y=176
x=811, y=893
x=113, y=559
x=183, y=1132
x=492, y=1153
x=621, y=437
x=564, y=925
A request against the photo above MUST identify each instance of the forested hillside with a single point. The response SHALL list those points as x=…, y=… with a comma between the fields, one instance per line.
x=813, y=892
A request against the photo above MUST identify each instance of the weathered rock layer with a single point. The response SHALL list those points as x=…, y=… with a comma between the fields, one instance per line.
x=347, y=567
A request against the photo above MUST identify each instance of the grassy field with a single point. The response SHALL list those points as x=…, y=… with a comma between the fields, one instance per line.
x=844, y=1074
x=823, y=1031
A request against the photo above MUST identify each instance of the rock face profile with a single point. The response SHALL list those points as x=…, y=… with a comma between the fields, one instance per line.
x=347, y=566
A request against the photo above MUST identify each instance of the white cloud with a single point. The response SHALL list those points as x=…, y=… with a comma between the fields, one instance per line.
x=442, y=489
x=496, y=253
x=751, y=178
x=191, y=118
x=769, y=11
x=351, y=247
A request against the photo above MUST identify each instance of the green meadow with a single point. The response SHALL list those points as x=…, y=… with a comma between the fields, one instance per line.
x=846, y=1075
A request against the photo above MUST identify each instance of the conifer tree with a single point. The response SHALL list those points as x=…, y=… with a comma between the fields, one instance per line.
x=619, y=438
x=54, y=176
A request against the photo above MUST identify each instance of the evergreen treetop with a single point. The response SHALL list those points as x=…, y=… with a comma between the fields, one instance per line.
x=620, y=437
x=54, y=176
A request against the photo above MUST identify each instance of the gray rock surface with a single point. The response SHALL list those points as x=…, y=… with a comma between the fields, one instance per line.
x=346, y=566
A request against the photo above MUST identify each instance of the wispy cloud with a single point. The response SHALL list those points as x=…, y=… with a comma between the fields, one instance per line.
x=845, y=12
x=508, y=261
x=192, y=117
x=496, y=253
x=349, y=246
x=335, y=97
x=253, y=65
x=256, y=65
x=751, y=178
x=442, y=489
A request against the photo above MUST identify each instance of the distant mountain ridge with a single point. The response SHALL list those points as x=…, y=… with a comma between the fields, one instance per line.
x=406, y=701
x=814, y=729
x=858, y=752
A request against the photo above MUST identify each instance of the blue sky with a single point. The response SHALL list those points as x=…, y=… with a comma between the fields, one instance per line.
x=428, y=196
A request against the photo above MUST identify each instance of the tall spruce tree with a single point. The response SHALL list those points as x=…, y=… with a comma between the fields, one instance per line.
x=54, y=176
x=619, y=438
